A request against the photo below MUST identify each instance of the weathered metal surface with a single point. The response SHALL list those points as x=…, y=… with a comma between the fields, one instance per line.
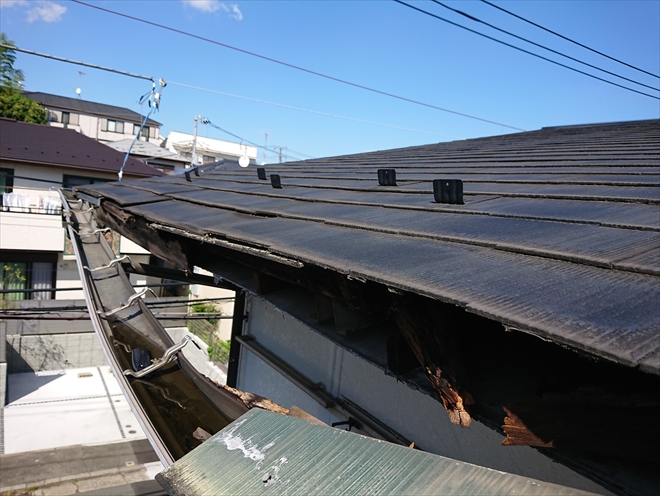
x=563, y=244
x=268, y=453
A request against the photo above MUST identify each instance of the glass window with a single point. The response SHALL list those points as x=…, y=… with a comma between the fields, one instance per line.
x=69, y=181
x=13, y=275
x=6, y=180
x=65, y=118
x=115, y=126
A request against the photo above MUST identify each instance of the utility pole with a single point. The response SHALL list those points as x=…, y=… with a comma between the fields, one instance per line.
x=265, y=147
x=198, y=118
x=280, y=148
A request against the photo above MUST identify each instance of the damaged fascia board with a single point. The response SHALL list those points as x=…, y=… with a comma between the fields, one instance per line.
x=85, y=221
x=539, y=329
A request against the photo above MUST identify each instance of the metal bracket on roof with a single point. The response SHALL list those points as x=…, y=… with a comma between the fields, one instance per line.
x=110, y=263
x=168, y=357
x=130, y=302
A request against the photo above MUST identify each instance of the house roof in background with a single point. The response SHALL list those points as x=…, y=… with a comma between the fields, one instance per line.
x=47, y=145
x=86, y=107
x=145, y=149
x=559, y=235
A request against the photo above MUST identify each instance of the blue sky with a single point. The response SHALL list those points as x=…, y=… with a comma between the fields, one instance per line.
x=380, y=44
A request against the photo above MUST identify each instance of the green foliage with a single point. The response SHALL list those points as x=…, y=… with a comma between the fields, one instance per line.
x=206, y=308
x=10, y=77
x=219, y=352
x=13, y=105
x=206, y=329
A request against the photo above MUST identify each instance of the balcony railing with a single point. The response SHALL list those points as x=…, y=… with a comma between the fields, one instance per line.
x=46, y=205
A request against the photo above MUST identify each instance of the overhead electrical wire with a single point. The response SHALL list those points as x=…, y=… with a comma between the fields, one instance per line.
x=209, y=123
x=296, y=67
x=183, y=85
x=475, y=19
x=521, y=49
x=336, y=116
x=75, y=62
x=569, y=39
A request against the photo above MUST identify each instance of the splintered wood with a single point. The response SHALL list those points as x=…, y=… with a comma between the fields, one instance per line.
x=435, y=354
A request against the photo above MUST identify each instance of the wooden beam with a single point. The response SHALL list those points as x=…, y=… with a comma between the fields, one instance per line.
x=437, y=354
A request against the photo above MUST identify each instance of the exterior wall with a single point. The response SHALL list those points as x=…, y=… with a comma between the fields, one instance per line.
x=91, y=126
x=35, y=232
x=410, y=412
x=181, y=143
x=43, y=232
x=28, y=353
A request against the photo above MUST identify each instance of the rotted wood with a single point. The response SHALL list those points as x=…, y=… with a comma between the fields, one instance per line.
x=437, y=354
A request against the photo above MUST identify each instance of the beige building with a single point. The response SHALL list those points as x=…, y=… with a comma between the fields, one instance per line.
x=99, y=121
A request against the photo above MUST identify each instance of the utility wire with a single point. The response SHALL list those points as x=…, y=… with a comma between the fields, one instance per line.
x=209, y=123
x=298, y=68
x=569, y=39
x=183, y=85
x=521, y=49
x=310, y=111
x=60, y=59
x=460, y=12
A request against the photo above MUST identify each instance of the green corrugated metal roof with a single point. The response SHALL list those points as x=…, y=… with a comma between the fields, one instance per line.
x=267, y=453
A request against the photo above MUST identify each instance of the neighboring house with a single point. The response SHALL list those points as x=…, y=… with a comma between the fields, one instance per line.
x=35, y=161
x=510, y=320
x=208, y=150
x=101, y=122
x=151, y=154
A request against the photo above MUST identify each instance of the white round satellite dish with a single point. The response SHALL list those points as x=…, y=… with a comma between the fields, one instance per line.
x=78, y=91
x=244, y=161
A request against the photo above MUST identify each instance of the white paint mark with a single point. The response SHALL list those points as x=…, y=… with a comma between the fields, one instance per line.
x=236, y=442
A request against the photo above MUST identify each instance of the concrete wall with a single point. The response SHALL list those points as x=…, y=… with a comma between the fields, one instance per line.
x=34, y=353
x=410, y=412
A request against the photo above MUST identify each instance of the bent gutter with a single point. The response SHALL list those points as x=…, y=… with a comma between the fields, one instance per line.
x=146, y=425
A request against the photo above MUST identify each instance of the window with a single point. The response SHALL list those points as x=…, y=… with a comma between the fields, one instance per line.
x=31, y=276
x=69, y=118
x=6, y=180
x=144, y=135
x=69, y=181
x=112, y=126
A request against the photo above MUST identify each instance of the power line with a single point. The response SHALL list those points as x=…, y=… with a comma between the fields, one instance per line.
x=336, y=116
x=209, y=123
x=520, y=49
x=68, y=61
x=183, y=85
x=296, y=67
x=542, y=46
x=569, y=39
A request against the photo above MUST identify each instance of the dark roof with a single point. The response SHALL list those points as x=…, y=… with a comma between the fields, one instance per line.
x=85, y=107
x=46, y=145
x=559, y=235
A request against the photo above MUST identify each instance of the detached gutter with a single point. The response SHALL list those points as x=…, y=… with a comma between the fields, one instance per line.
x=85, y=224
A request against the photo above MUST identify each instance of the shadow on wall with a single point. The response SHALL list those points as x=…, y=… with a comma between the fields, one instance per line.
x=34, y=354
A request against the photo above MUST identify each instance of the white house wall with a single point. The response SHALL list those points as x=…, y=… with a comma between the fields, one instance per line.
x=34, y=232
x=413, y=414
x=90, y=126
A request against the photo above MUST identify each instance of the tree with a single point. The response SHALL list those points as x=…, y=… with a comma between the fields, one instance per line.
x=13, y=104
